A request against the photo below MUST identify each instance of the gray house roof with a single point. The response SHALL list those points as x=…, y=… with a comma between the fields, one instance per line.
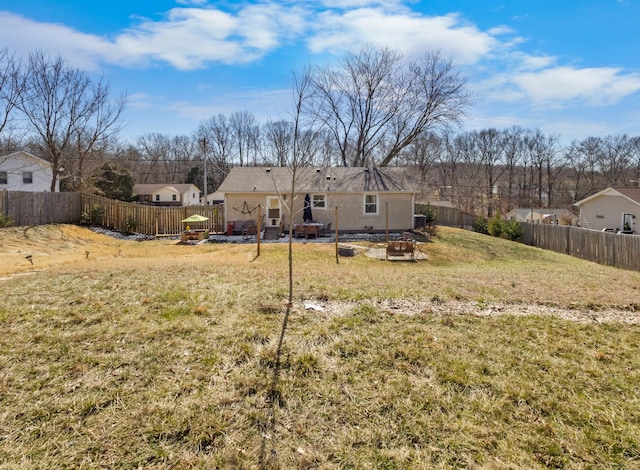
x=308, y=179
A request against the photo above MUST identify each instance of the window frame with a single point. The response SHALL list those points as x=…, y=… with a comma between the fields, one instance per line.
x=314, y=202
x=4, y=177
x=27, y=177
x=375, y=204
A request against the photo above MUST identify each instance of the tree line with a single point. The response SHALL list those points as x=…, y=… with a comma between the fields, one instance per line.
x=373, y=108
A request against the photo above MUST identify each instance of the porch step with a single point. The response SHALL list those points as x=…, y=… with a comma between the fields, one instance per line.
x=271, y=233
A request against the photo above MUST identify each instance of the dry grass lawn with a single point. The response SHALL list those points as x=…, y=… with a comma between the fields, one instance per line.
x=490, y=354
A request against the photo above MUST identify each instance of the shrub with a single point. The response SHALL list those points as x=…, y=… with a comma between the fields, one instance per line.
x=495, y=225
x=512, y=229
x=93, y=217
x=130, y=225
x=5, y=220
x=430, y=219
x=480, y=225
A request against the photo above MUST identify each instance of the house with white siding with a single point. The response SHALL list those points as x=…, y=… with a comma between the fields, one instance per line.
x=167, y=194
x=23, y=171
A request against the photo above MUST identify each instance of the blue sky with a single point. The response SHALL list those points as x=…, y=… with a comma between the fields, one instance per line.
x=567, y=67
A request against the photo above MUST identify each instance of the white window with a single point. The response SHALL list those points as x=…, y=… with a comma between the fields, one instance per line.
x=371, y=204
x=4, y=179
x=627, y=222
x=174, y=197
x=27, y=177
x=318, y=201
x=157, y=197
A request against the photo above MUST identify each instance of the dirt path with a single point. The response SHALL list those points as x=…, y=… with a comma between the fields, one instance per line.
x=453, y=307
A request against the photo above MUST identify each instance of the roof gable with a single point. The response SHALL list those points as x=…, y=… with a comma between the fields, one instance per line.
x=632, y=194
x=27, y=156
x=309, y=179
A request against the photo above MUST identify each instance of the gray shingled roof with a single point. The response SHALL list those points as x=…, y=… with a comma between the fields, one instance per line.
x=336, y=179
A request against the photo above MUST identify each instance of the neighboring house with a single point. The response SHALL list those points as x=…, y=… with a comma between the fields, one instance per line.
x=372, y=199
x=611, y=209
x=215, y=198
x=167, y=194
x=22, y=171
x=542, y=216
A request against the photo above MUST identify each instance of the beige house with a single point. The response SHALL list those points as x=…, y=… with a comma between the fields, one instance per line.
x=542, y=216
x=615, y=209
x=367, y=199
x=167, y=194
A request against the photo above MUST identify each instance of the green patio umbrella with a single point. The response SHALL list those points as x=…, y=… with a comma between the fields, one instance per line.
x=195, y=218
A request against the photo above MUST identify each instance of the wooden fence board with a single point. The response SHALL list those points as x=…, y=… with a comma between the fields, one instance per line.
x=449, y=216
x=30, y=208
x=612, y=249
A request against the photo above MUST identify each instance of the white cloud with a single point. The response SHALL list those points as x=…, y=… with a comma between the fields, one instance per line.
x=530, y=62
x=593, y=86
x=346, y=4
x=192, y=2
x=189, y=38
x=498, y=30
x=23, y=36
x=409, y=33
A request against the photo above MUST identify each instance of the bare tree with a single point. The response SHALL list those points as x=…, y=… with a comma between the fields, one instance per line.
x=62, y=103
x=615, y=159
x=303, y=148
x=11, y=88
x=95, y=131
x=513, y=148
x=217, y=134
x=590, y=152
x=635, y=158
x=490, y=147
x=376, y=104
x=246, y=133
x=153, y=149
x=277, y=139
x=423, y=151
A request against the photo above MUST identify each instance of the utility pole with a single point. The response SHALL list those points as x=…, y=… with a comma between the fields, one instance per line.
x=204, y=160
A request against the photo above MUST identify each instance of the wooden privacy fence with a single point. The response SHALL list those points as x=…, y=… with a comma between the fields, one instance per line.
x=147, y=219
x=448, y=216
x=611, y=249
x=26, y=208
